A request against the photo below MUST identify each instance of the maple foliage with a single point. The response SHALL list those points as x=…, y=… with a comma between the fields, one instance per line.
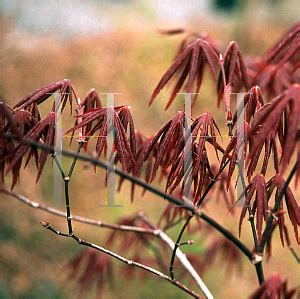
x=187, y=155
x=276, y=183
x=114, y=120
x=260, y=203
x=280, y=117
x=189, y=65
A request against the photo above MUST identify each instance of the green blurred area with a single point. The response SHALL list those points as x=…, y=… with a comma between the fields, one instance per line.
x=130, y=58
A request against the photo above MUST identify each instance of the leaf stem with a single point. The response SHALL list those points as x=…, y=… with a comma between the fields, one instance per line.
x=295, y=255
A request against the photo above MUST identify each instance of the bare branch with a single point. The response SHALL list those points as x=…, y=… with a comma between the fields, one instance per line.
x=36, y=205
x=125, y=228
x=124, y=260
x=181, y=257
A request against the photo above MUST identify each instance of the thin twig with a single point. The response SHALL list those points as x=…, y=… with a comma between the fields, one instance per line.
x=124, y=228
x=177, y=244
x=123, y=259
x=258, y=263
x=36, y=205
x=80, y=145
x=295, y=255
x=58, y=165
x=180, y=255
x=66, y=180
x=251, y=217
x=181, y=233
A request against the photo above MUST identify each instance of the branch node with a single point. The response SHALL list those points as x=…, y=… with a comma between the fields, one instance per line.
x=251, y=216
x=45, y=224
x=157, y=232
x=257, y=258
x=66, y=178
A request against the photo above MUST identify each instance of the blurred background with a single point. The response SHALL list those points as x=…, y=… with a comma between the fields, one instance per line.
x=115, y=46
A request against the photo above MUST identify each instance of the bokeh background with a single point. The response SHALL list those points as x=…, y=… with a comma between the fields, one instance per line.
x=115, y=46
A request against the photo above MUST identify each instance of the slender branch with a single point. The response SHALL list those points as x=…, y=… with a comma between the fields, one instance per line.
x=80, y=145
x=251, y=216
x=180, y=255
x=124, y=228
x=123, y=259
x=177, y=244
x=295, y=255
x=178, y=241
x=50, y=210
x=268, y=228
x=68, y=208
x=228, y=235
x=259, y=271
x=66, y=184
x=58, y=165
x=187, y=265
x=258, y=262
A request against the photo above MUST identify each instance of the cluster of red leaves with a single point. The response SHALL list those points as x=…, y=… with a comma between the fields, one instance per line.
x=182, y=149
x=277, y=69
x=189, y=66
x=110, y=120
x=261, y=206
x=179, y=149
x=273, y=288
x=279, y=118
x=233, y=72
x=189, y=36
x=63, y=88
x=245, y=138
x=24, y=121
x=142, y=168
x=90, y=101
